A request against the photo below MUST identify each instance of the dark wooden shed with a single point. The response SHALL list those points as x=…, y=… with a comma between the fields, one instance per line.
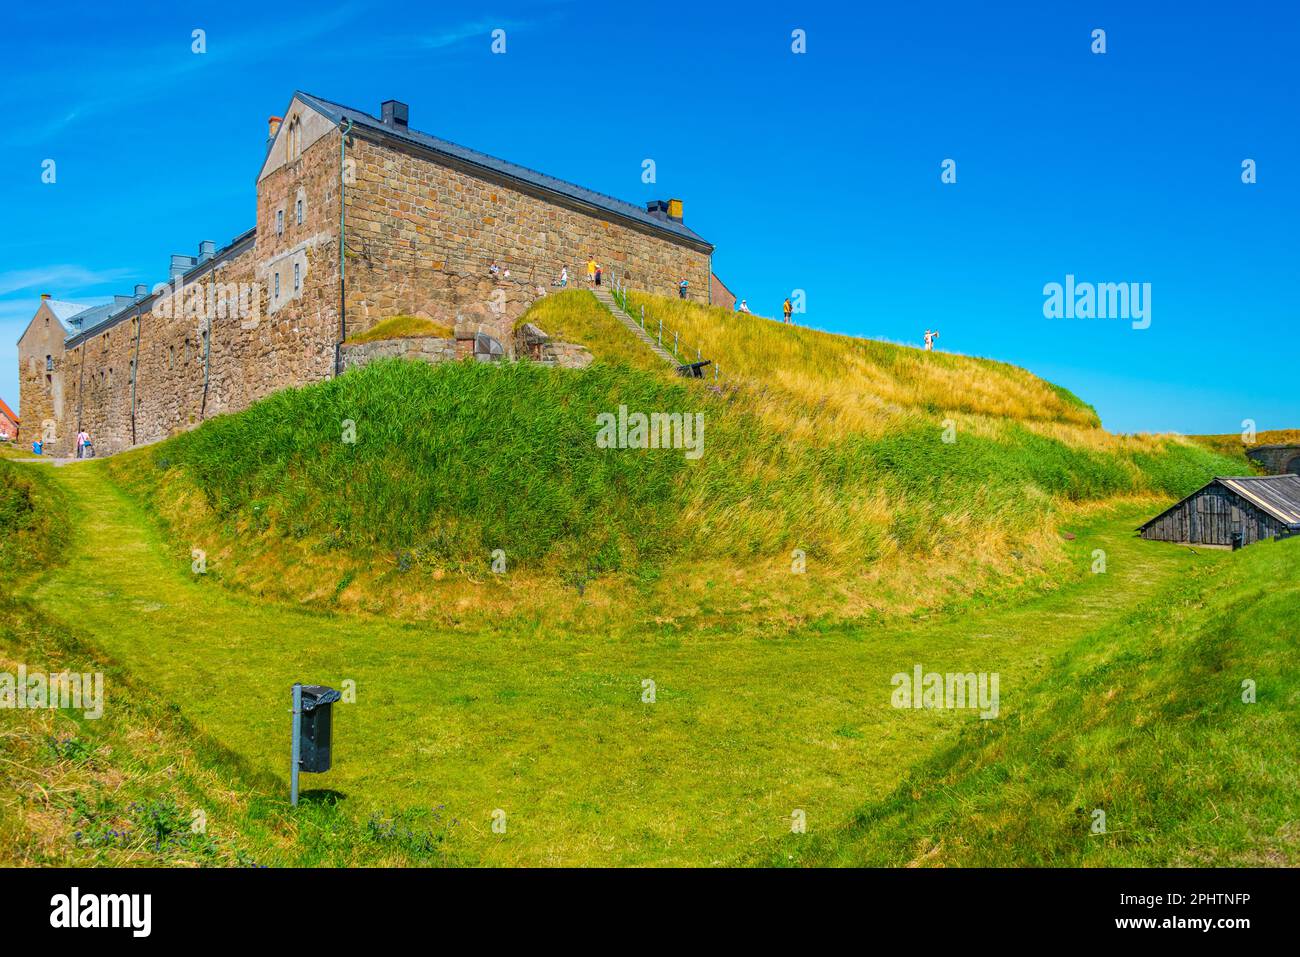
x=1232, y=512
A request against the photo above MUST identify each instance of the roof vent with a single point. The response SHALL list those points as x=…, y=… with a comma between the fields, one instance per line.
x=657, y=208
x=181, y=265
x=141, y=290
x=396, y=113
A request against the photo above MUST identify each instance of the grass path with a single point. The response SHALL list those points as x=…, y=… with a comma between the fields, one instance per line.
x=551, y=727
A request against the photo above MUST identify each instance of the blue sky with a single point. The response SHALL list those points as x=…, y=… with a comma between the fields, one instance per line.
x=818, y=171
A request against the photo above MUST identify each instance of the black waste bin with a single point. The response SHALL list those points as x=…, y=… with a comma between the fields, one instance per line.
x=314, y=742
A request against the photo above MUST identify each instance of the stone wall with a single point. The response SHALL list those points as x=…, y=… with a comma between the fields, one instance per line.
x=43, y=386
x=227, y=338
x=1274, y=459
x=420, y=238
x=422, y=235
x=422, y=348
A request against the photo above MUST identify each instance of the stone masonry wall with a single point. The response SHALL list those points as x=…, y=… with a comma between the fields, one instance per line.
x=278, y=340
x=421, y=236
x=43, y=392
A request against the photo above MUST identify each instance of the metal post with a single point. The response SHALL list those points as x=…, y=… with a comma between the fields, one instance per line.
x=643, y=317
x=674, y=343
x=296, y=748
x=661, y=332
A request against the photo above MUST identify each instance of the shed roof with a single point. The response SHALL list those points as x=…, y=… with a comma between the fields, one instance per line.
x=338, y=112
x=1277, y=495
x=8, y=412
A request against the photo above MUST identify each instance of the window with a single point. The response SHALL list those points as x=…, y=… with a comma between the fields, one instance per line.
x=171, y=356
x=279, y=222
x=297, y=277
x=298, y=210
x=49, y=363
x=295, y=139
x=133, y=371
x=277, y=285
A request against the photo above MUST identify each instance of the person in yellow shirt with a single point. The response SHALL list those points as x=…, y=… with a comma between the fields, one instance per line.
x=591, y=271
x=787, y=309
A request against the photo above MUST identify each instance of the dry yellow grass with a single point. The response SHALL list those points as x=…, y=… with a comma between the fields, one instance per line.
x=402, y=327
x=817, y=382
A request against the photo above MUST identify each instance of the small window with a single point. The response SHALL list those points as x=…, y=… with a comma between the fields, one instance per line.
x=295, y=138
x=49, y=380
x=298, y=211
x=171, y=356
x=277, y=285
x=279, y=222
x=49, y=363
x=132, y=370
x=297, y=277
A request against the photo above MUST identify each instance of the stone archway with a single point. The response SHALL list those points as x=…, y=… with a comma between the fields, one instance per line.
x=1293, y=466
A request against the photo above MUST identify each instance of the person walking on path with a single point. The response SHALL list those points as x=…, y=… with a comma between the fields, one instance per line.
x=564, y=275
x=591, y=270
x=787, y=309
x=598, y=272
x=82, y=439
x=681, y=289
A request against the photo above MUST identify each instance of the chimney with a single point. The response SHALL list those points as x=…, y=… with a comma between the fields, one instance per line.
x=207, y=249
x=657, y=208
x=396, y=114
x=141, y=290
x=180, y=265
x=44, y=296
x=675, y=210
x=120, y=302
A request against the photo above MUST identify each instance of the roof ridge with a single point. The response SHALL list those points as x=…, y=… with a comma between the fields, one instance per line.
x=509, y=168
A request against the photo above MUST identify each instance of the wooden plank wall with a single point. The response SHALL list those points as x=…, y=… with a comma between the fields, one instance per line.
x=1211, y=516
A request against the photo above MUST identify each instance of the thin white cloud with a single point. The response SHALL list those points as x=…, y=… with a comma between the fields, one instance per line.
x=56, y=280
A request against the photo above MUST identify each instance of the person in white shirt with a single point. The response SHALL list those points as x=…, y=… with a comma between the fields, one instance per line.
x=929, y=340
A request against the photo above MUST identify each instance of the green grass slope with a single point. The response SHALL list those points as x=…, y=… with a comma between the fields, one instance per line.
x=403, y=465
x=140, y=785
x=1146, y=719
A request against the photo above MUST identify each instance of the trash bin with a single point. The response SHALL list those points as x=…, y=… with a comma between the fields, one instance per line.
x=314, y=753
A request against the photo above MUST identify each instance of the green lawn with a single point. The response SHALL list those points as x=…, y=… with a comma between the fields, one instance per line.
x=550, y=727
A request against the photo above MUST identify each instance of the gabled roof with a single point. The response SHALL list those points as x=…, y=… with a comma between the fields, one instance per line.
x=1279, y=495
x=63, y=311
x=522, y=174
x=8, y=412
x=1276, y=495
x=89, y=318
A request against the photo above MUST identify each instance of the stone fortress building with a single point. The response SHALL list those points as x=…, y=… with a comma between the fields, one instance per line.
x=419, y=221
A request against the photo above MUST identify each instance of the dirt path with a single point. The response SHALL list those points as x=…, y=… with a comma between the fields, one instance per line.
x=552, y=728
